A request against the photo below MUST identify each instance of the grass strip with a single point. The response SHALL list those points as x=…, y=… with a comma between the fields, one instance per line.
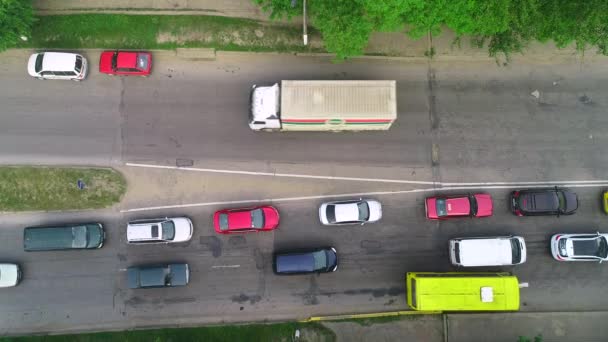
x=122, y=31
x=27, y=188
x=228, y=333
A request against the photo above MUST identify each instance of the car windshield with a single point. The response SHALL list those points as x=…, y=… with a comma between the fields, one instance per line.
x=168, y=230
x=474, y=207
x=515, y=251
x=257, y=218
x=78, y=66
x=562, y=201
x=223, y=222
x=114, y=60
x=142, y=61
x=363, y=211
x=39, y=62
x=602, y=248
x=331, y=213
x=441, y=208
x=320, y=260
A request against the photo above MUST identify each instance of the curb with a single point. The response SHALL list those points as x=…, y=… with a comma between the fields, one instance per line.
x=369, y=315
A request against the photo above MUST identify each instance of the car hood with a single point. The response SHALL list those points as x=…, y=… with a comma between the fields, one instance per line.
x=31, y=65
x=375, y=211
x=484, y=205
x=183, y=229
x=271, y=217
x=9, y=275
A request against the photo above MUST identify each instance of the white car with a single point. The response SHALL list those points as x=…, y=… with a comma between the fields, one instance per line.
x=580, y=247
x=164, y=230
x=57, y=66
x=10, y=275
x=359, y=211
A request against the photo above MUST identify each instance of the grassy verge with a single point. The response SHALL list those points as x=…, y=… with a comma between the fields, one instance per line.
x=121, y=31
x=253, y=332
x=51, y=188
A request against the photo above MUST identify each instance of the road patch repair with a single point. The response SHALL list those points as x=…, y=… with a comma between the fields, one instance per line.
x=31, y=188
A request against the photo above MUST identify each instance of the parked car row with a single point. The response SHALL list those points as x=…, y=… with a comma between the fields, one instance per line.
x=463, y=252
x=72, y=66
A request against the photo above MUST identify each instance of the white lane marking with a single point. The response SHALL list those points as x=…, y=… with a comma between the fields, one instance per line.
x=226, y=266
x=274, y=174
x=359, y=179
x=361, y=194
x=268, y=200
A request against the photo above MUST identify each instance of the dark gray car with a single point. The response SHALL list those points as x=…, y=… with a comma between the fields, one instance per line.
x=320, y=260
x=533, y=202
x=158, y=276
x=60, y=237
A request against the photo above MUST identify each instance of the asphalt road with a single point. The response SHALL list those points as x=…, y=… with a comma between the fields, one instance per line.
x=480, y=120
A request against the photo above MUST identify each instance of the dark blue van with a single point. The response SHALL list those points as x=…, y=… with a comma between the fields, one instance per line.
x=320, y=260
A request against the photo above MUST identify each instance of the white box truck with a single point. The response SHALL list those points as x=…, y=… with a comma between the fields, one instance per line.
x=324, y=106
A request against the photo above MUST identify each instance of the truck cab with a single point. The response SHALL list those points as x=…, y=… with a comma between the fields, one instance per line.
x=265, y=107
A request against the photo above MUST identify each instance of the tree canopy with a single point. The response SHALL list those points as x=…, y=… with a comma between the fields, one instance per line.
x=506, y=26
x=16, y=19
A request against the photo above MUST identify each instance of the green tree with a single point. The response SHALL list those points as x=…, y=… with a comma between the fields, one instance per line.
x=506, y=26
x=16, y=20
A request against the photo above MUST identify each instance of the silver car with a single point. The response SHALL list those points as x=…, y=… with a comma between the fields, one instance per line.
x=162, y=230
x=360, y=211
x=10, y=274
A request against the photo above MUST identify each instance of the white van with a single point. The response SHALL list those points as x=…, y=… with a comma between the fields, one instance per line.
x=487, y=251
x=57, y=66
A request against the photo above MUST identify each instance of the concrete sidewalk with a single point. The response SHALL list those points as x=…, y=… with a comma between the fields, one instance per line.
x=227, y=8
x=495, y=327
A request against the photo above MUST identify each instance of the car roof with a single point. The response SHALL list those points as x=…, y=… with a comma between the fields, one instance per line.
x=144, y=231
x=458, y=205
x=58, y=61
x=239, y=219
x=482, y=252
x=585, y=246
x=540, y=200
x=295, y=262
x=346, y=212
x=126, y=59
x=153, y=276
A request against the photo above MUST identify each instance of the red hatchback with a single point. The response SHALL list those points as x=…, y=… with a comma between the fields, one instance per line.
x=246, y=220
x=125, y=63
x=477, y=205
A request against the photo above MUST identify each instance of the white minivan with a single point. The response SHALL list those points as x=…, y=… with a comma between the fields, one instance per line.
x=57, y=66
x=487, y=251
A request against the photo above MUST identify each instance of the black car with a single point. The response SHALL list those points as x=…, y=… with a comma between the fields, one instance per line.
x=554, y=201
x=63, y=237
x=320, y=260
x=158, y=276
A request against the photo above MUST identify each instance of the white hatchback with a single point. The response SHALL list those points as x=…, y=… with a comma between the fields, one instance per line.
x=164, y=230
x=57, y=66
x=580, y=247
x=359, y=211
x=10, y=275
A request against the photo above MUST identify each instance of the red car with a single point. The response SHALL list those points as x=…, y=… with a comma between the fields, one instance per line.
x=442, y=207
x=246, y=220
x=125, y=63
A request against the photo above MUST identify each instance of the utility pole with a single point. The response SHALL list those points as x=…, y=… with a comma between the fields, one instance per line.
x=304, y=28
x=305, y=35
